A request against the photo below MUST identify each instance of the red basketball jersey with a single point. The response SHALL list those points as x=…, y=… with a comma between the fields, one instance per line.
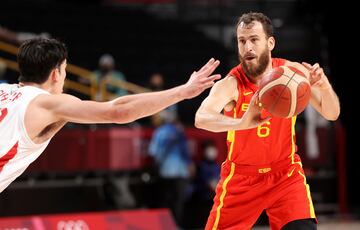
x=268, y=143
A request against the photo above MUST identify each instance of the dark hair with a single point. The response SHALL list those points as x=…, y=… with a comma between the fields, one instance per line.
x=38, y=57
x=260, y=17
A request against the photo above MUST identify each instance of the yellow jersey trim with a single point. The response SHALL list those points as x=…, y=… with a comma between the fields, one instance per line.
x=231, y=139
x=311, y=206
x=293, y=122
x=224, y=191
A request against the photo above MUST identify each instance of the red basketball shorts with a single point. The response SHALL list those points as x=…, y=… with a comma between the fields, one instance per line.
x=243, y=192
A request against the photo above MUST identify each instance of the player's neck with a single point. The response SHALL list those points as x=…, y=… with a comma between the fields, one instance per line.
x=256, y=79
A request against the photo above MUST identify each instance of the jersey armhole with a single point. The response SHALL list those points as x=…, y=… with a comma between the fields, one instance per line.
x=24, y=132
x=240, y=95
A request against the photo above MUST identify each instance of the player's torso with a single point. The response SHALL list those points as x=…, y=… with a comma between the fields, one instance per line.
x=270, y=142
x=17, y=150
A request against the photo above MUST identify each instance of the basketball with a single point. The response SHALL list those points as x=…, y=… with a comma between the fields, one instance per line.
x=284, y=92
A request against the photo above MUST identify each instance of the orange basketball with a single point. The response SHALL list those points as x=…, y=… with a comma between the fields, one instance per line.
x=284, y=91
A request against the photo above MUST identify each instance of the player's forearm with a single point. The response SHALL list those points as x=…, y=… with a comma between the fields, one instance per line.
x=216, y=122
x=330, y=105
x=136, y=106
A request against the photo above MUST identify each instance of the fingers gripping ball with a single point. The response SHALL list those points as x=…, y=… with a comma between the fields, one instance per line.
x=284, y=91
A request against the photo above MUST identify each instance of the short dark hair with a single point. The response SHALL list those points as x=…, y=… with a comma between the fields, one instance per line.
x=260, y=17
x=38, y=57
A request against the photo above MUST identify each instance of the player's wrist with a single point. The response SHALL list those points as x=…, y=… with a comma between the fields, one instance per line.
x=181, y=92
x=185, y=92
x=326, y=87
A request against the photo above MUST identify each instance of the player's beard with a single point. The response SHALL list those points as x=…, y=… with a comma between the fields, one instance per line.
x=256, y=70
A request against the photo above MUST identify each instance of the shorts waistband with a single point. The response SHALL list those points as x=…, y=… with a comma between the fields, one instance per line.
x=264, y=168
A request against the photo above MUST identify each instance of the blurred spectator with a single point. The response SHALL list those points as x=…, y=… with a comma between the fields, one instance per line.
x=2, y=72
x=170, y=151
x=157, y=83
x=117, y=193
x=19, y=37
x=313, y=120
x=107, y=73
x=205, y=181
x=208, y=173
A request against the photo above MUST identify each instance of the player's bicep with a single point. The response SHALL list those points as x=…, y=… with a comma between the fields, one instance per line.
x=69, y=108
x=221, y=94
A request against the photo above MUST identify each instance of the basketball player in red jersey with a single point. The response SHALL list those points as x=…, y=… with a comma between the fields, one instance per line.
x=34, y=110
x=262, y=170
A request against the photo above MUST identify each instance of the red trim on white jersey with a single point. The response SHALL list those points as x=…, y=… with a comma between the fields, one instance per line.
x=3, y=113
x=8, y=156
x=17, y=150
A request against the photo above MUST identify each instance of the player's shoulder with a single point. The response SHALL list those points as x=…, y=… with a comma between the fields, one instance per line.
x=225, y=86
x=231, y=79
x=6, y=87
x=49, y=101
x=228, y=81
x=278, y=61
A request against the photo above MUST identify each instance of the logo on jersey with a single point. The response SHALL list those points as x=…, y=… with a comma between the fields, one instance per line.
x=291, y=172
x=244, y=106
x=264, y=170
x=247, y=93
x=4, y=96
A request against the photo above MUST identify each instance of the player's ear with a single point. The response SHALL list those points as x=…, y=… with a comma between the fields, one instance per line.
x=271, y=43
x=54, y=74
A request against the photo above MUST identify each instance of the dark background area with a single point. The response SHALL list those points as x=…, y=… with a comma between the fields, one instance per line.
x=340, y=23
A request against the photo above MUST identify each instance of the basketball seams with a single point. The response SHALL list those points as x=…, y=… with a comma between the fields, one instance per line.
x=288, y=84
x=285, y=84
x=278, y=97
x=293, y=97
x=278, y=81
x=297, y=79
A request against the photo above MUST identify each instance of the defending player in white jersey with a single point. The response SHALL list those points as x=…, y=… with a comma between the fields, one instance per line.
x=34, y=110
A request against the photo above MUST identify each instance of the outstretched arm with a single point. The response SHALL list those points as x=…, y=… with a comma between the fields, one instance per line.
x=128, y=108
x=224, y=95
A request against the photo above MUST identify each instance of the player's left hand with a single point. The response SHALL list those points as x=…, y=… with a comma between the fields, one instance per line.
x=317, y=77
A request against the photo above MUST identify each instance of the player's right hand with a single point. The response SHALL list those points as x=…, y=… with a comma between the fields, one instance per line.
x=253, y=117
x=201, y=79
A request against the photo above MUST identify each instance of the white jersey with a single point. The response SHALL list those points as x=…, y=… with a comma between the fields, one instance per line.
x=17, y=150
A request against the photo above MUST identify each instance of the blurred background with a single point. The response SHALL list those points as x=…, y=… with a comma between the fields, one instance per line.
x=111, y=173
